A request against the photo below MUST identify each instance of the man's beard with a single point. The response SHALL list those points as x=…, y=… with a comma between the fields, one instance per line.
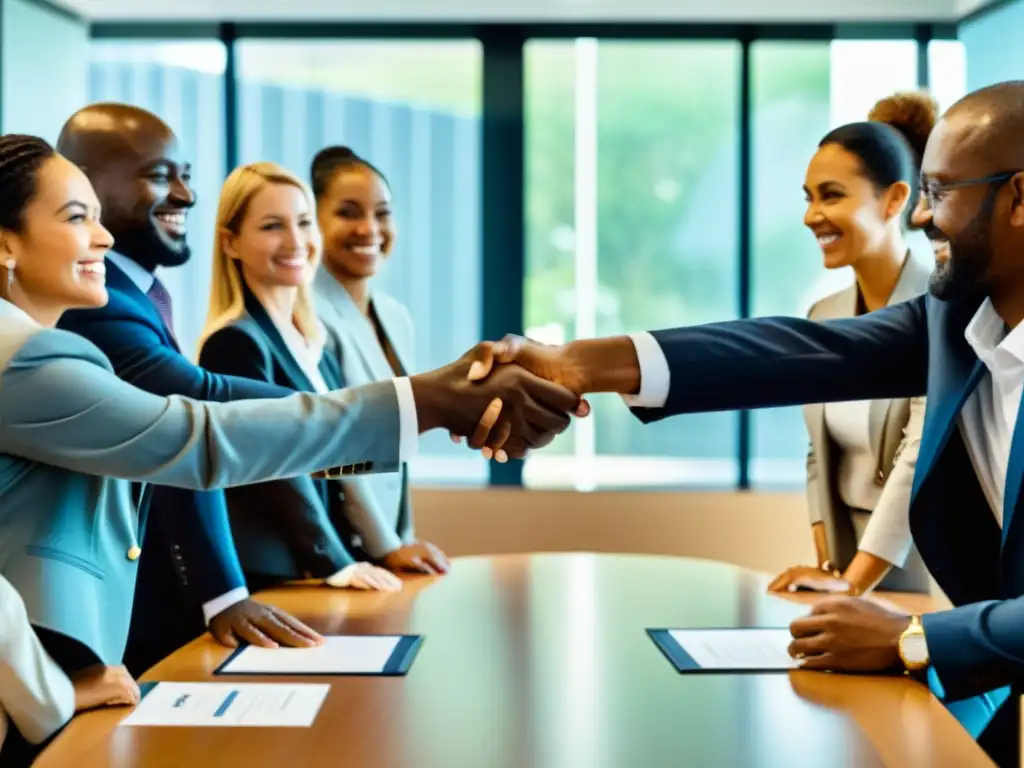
x=148, y=245
x=964, y=273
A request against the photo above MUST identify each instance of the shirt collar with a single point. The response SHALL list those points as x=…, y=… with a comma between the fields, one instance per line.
x=142, y=278
x=987, y=333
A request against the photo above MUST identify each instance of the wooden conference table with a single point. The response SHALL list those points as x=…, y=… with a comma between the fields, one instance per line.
x=542, y=660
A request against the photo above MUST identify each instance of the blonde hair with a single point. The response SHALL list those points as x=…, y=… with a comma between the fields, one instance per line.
x=227, y=299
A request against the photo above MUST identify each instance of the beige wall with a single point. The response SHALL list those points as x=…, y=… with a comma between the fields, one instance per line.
x=763, y=531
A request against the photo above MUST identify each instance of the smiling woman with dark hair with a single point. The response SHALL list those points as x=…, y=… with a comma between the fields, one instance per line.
x=861, y=188
x=374, y=336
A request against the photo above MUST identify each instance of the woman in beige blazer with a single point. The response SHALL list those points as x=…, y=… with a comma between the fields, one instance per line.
x=861, y=186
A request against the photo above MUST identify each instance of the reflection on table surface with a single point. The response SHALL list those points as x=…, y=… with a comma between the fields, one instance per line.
x=543, y=660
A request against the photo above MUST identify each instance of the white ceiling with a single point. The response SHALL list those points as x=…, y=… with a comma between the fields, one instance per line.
x=732, y=11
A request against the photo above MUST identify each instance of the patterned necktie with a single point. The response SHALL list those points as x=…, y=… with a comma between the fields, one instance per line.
x=161, y=299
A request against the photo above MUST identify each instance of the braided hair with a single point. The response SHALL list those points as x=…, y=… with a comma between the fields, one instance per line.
x=329, y=161
x=21, y=157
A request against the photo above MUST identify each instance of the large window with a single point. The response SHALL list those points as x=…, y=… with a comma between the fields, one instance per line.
x=413, y=109
x=632, y=194
x=632, y=204
x=947, y=71
x=183, y=83
x=800, y=91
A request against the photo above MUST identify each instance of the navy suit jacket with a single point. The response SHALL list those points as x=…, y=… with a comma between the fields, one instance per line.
x=189, y=530
x=284, y=529
x=907, y=350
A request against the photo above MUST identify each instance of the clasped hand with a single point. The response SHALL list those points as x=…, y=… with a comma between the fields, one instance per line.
x=522, y=363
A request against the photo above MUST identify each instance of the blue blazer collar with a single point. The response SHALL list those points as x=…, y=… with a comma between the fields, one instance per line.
x=956, y=372
x=328, y=368
x=1014, y=473
x=120, y=282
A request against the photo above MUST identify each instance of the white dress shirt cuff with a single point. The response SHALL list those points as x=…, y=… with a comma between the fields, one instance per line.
x=342, y=578
x=222, y=603
x=409, y=425
x=654, y=373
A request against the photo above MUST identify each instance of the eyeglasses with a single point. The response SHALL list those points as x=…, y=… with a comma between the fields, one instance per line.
x=932, y=190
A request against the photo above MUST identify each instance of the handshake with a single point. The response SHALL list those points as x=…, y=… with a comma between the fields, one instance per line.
x=514, y=395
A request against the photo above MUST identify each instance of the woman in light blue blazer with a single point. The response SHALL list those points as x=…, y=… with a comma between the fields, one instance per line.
x=70, y=534
x=373, y=334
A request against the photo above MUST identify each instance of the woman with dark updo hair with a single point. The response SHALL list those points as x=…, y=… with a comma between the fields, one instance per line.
x=861, y=187
x=374, y=340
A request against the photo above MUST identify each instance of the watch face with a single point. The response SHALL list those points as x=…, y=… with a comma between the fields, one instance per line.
x=915, y=649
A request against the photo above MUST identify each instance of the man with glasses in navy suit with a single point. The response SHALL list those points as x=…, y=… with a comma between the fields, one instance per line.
x=963, y=347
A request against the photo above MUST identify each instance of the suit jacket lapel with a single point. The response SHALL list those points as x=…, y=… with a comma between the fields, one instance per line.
x=119, y=281
x=945, y=402
x=330, y=365
x=1014, y=473
x=280, y=349
x=395, y=332
x=367, y=347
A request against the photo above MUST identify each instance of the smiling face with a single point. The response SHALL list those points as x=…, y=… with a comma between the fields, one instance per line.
x=355, y=220
x=144, y=185
x=968, y=226
x=58, y=251
x=846, y=212
x=277, y=243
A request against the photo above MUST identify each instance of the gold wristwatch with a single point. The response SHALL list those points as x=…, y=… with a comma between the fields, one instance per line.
x=913, y=647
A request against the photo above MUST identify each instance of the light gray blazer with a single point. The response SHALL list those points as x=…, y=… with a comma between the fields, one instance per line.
x=378, y=507
x=34, y=692
x=895, y=430
x=69, y=426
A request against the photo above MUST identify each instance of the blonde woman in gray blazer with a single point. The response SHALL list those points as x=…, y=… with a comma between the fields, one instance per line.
x=860, y=187
x=372, y=334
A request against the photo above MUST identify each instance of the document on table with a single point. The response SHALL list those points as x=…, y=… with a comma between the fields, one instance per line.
x=268, y=705
x=726, y=650
x=339, y=655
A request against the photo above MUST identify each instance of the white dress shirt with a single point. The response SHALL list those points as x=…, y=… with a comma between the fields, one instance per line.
x=990, y=413
x=408, y=421
x=986, y=422
x=306, y=354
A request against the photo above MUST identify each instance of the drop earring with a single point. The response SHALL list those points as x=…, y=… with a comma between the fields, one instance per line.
x=9, y=264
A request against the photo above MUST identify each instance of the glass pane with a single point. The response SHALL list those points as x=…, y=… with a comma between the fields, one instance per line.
x=183, y=83
x=800, y=91
x=632, y=208
x=947, y=71
x=412, y=109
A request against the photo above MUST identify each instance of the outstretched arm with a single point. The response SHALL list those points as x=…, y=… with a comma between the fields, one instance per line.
x=62, y=405
x=742, y=364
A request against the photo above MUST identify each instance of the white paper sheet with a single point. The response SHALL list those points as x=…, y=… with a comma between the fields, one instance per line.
x=267, y=705
x=339, y=655
x=739, y=649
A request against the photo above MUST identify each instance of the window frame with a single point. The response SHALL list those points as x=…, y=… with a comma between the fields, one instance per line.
x=503, y=184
